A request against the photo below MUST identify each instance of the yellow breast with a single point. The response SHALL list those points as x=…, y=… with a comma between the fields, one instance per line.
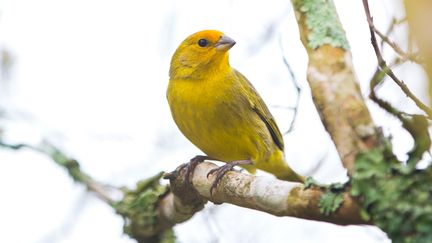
x=215, y=116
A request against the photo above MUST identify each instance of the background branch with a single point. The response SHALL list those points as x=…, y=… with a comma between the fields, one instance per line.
x=332, y=80
x=296, y=86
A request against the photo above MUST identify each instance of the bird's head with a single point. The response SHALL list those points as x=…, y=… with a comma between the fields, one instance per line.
x=202, y=52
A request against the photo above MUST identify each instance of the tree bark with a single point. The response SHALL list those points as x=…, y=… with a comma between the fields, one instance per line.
x=263, y=193
x=332, y=80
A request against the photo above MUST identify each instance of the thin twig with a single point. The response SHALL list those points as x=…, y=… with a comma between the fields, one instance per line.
x=389, y=31
x=396, y=48
x=17, y=146
x=379, y=74
x=416, y=125
x=296, y=86
x=387, y=70
x=409, y=56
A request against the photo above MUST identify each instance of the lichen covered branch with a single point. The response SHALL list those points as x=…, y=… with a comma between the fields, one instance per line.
x=332, y=80
x=263, y=193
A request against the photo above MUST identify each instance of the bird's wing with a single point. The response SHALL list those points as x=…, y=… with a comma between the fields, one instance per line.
x=258, y=106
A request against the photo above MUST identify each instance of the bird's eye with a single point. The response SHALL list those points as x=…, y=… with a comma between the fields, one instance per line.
x=202, y=42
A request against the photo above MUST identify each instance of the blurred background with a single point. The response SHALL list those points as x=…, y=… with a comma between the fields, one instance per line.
x=90, y=77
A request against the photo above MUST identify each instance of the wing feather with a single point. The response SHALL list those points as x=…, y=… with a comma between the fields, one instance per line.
x=260, y=108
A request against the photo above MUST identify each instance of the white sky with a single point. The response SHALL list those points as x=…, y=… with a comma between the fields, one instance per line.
x=91, y=77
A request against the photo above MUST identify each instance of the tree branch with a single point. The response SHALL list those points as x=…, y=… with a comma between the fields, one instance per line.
x=262, y=193
x=332, y=80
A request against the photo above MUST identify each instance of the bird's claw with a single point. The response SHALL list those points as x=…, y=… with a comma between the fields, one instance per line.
x=221, y=171
x=190, y=167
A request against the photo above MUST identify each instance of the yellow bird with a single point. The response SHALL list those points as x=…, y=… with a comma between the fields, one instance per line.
x=219, y=110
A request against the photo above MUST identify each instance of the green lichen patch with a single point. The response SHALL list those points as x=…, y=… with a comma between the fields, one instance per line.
x=332, y=199
x=322, y=22
x=330, y=202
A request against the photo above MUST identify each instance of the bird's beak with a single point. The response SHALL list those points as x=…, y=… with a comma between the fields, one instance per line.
x=224, y=43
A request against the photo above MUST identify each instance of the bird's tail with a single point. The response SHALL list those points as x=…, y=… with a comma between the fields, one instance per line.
x=290, y=175
x=277, y=166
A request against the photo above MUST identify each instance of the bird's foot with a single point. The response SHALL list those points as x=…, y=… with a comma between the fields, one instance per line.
x=221, y=171
x=190, y=167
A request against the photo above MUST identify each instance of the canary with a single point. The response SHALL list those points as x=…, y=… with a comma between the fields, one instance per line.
x=219, y=110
